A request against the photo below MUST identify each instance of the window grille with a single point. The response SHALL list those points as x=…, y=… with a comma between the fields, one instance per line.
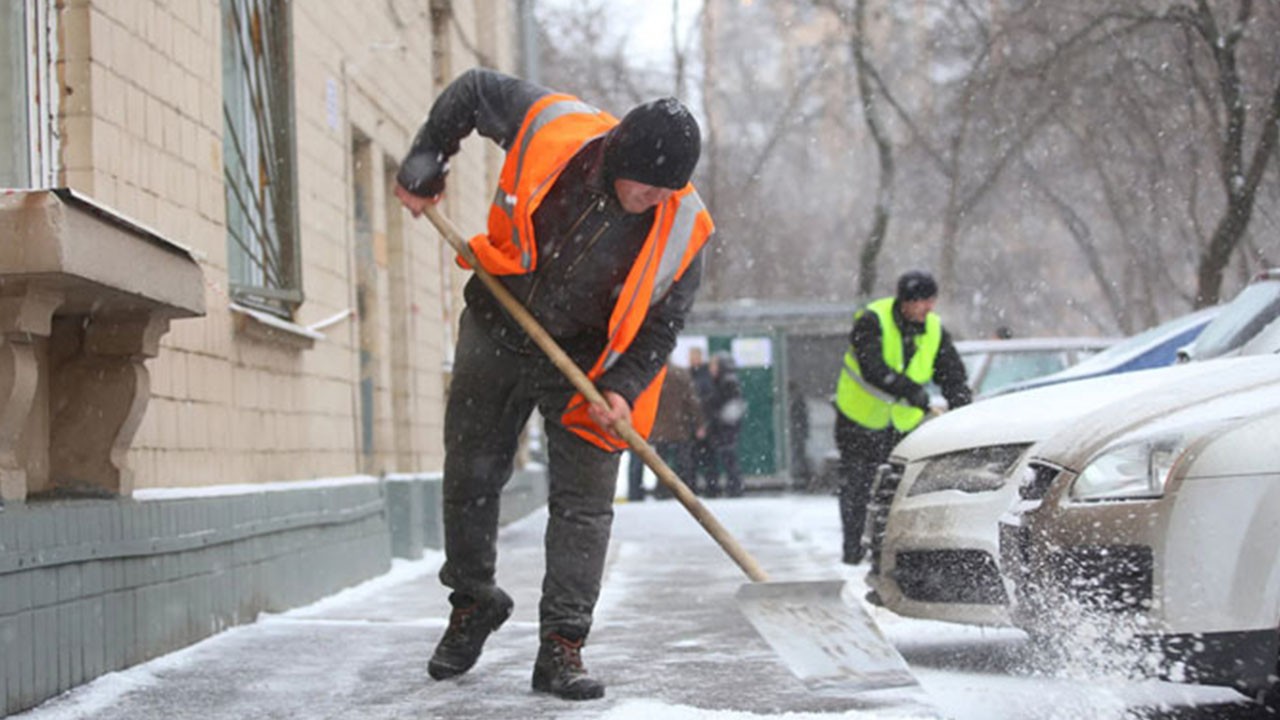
x=14, y=142
x=258, y=155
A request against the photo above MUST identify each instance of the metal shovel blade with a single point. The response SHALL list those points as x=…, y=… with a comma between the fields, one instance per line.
x=833, y=647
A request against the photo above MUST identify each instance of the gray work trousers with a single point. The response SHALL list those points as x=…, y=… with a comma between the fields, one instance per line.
x=494, y=391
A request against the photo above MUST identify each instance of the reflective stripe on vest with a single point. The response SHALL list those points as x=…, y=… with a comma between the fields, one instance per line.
x=868, y=405
x=554, y=129
x=545, y=116
x=672, y=263
x=681, y=226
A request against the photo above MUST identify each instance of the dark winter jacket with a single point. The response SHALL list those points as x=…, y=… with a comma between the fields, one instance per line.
x=586, y=242
x=726, y=406
x=679, y=410
x=948, y=369
x=702, y=384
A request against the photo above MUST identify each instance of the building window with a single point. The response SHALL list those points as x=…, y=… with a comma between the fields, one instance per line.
x=258, y=155
x=15, y=142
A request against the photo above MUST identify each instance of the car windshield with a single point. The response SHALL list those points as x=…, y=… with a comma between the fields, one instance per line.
x=1009, y=368
x=1253, y=309
x=1132, y=343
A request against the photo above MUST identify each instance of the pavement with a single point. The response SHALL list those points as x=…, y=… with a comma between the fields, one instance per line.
x=667, y=631
x=669, y=642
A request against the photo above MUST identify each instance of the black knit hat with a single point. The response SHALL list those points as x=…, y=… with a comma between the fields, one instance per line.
x=916, y=285
x=657, y=143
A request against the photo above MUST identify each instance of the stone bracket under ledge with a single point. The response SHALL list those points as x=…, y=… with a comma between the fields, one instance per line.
x=85, y=296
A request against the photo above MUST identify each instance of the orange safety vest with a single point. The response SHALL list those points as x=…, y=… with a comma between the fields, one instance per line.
x=554, y=129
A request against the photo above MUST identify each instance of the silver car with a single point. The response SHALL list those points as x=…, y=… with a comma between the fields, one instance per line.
x=936, y=551
x=1161, y=530
x=933, y=516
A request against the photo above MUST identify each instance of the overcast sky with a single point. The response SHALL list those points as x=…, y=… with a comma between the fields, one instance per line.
x=646, y=24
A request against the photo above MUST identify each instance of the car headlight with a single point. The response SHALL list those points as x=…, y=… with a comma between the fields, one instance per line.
x=1135, y=470
x=974, y=470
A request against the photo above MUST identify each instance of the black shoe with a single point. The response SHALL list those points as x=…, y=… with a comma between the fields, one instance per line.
x=559, y=670
x=469, y=627
x=853, y=556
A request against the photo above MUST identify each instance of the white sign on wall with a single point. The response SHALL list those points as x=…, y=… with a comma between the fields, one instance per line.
x=680, y=356
x=752, y=352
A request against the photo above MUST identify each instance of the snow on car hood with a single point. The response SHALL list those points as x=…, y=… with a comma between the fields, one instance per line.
x=1220, y=401
x=1110, y=403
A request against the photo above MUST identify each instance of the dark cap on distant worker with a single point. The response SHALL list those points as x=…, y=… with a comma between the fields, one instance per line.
x=916, y=285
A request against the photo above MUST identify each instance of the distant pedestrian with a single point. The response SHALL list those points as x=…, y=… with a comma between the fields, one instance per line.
x=798, y=433
x=897, y=347
x=676, y=429
x=703, y=385
x=725, y=411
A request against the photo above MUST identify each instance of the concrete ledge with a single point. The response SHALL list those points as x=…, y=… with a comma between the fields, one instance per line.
x=85, y=296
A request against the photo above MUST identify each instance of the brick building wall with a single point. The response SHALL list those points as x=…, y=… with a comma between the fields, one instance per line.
x=348, y=385
x=143, y=125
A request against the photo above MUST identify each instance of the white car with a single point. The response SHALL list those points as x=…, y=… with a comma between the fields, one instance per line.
x=954, y=477
x=932, y=520
x=993, y=364
x=1254, y=312
x=1163, y=532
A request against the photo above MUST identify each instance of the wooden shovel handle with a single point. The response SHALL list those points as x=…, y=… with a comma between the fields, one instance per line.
x=583, y=384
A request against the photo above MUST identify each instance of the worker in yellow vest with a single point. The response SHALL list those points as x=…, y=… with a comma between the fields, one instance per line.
x=897, y=347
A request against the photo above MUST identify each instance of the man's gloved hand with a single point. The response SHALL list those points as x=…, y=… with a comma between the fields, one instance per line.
x=423, y=172
x=920, y=398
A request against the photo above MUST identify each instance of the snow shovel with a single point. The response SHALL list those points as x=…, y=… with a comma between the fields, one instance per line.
x=833, y=647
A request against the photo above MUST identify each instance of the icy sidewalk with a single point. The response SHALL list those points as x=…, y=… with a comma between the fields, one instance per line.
x=669, y=642
x=668, y=639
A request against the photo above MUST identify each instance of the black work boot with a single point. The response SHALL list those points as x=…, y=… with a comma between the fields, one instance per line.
x=853, y=555
x=469, y=626
x=559, y=670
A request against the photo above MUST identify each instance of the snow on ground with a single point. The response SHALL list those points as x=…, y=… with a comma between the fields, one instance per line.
x=668, y=642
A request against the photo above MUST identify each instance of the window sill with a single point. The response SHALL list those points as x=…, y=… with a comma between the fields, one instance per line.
x=262, y=326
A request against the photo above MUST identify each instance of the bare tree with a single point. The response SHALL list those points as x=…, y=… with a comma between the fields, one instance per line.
x=1098, y=163
x=855, y=25
x=1241, y=172
x=1176, y=93
x=767, y=90
x=583, y=53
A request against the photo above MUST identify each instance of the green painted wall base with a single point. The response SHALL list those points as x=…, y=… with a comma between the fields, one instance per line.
x=88, y=587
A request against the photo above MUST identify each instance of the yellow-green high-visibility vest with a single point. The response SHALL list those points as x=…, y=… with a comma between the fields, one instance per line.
x=868, y=405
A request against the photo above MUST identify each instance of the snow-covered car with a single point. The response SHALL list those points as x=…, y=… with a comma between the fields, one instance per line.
x=932, y=519
x=1152, y=348
x=933, y=523
x=1255, y=311
x=990, y=366
x=1162, y=530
